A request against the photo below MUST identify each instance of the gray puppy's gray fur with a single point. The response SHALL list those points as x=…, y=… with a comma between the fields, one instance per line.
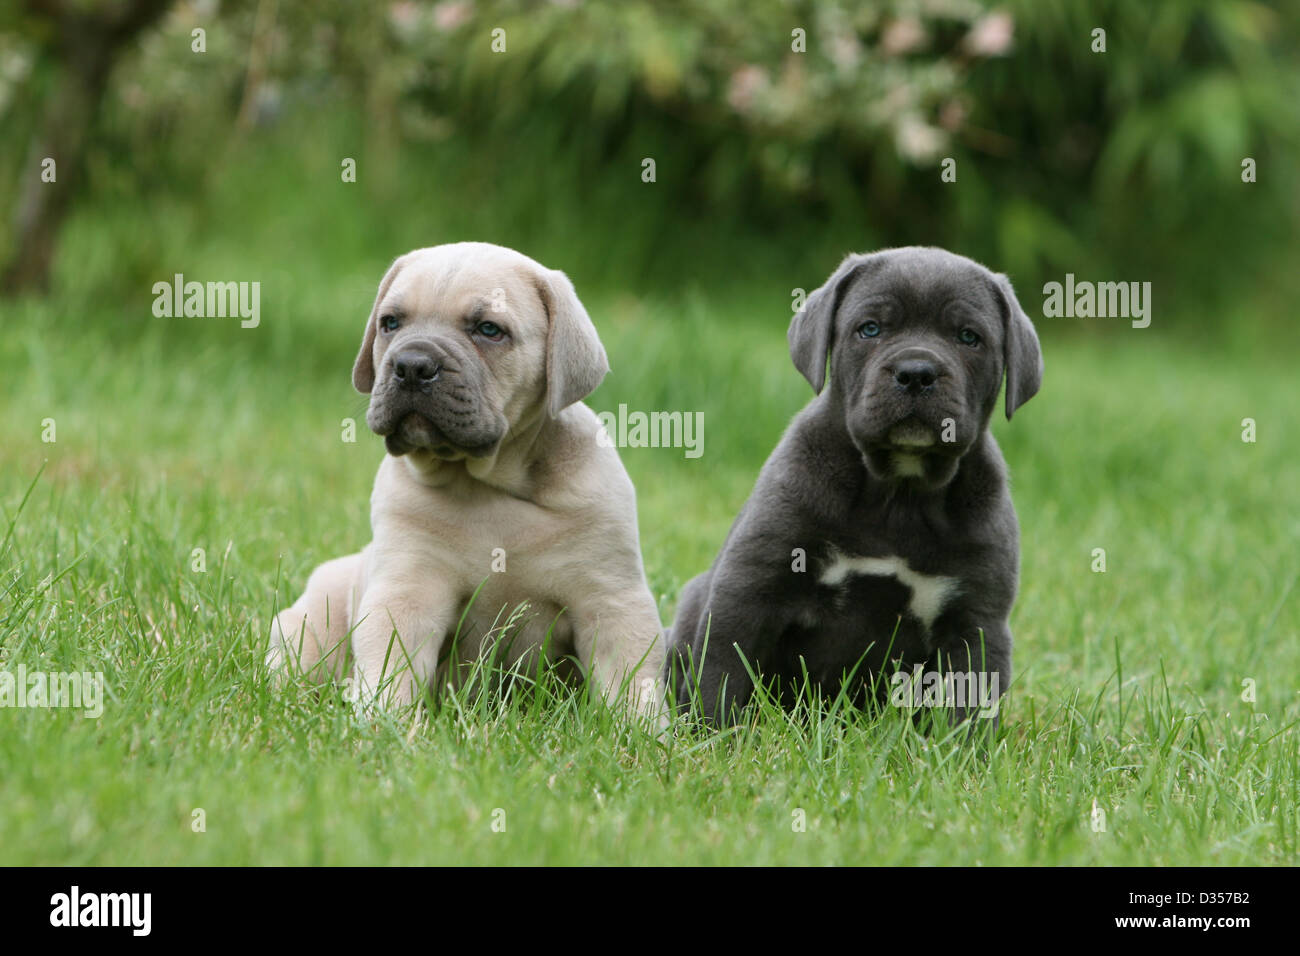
x=888, y=484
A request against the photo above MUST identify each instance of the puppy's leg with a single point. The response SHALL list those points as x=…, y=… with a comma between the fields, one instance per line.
x=680, y=665
x=403, y=617
x=976, y=669
x=735, y=633
x=311, y=636
x=618, y=639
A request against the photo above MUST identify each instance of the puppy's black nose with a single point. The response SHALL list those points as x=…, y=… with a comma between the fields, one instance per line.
x=916, y=375
x=415, y=369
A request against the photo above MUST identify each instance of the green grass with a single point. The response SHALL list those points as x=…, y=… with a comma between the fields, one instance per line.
x=181, y=434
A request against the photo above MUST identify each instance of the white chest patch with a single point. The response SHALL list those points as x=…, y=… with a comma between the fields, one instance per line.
x=929, y=591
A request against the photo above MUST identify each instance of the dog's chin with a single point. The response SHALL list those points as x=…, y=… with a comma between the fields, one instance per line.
x=910, y=452
x=413, y=433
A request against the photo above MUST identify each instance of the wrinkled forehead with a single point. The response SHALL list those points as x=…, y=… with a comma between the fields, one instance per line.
x=450, y=281
x=921, y=281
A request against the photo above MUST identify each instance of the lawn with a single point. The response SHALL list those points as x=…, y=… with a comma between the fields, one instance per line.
x=1129, y=736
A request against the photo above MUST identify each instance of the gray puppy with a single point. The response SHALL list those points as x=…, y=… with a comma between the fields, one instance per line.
x=880, y=537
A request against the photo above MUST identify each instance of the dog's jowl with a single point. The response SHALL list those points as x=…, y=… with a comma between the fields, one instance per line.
x=499, y=522
x=880, y=537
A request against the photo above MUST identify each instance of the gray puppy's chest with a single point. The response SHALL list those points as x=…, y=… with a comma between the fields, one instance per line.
x=889, y=582
x=867, y=608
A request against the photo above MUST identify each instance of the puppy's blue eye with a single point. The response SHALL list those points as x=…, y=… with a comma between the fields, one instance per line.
x=490, y=331
x=869, y=330
x=968, y=337
x=388, y=323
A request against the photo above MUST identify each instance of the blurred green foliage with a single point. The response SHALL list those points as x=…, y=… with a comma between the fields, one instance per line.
x=773, y=148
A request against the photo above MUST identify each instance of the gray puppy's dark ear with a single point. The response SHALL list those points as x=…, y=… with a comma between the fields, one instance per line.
x=1022, y=356
x=363, y=370
x=812, y=330
x=575, y=360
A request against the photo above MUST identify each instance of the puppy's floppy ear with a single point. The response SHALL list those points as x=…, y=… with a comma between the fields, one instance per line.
x=575, y=359
x=1022, y=356
x=812, y=329
x=363, y=370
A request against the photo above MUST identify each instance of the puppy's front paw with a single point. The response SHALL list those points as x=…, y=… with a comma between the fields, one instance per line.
x=296, y=647
x=284, y=650
x=649, y=702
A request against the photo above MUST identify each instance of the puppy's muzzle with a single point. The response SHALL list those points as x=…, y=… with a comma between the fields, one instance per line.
x=915, y=371
x=915, y=376
x=416, y=369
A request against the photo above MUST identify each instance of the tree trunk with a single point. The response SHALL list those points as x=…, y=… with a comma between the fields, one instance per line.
x=43, y=206
x=83, y=51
